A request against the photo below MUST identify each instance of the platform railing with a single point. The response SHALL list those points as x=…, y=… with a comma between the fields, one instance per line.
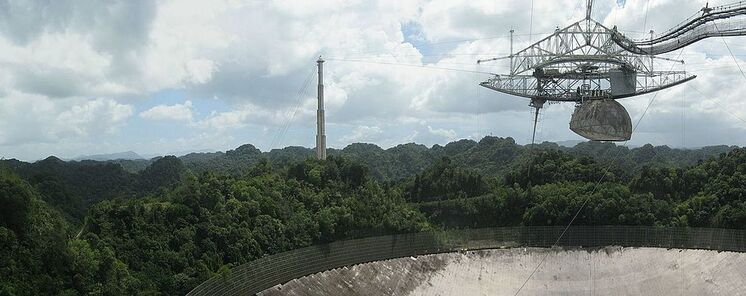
x=268, y=271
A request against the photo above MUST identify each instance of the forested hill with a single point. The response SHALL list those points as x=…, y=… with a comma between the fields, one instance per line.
x=73, y=228
x=490, y=156
x=73, y=185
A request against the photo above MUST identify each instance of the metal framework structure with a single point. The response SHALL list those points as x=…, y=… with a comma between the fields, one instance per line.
x=588, y=61
x=725, y=20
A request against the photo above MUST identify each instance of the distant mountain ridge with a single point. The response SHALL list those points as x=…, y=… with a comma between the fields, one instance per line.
x=127, y=155
x=491, y=156
x=569, y=143
x=74, y=185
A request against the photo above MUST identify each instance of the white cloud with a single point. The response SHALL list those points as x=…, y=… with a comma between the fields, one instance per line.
x=255, y=56
x=178, y=112
x=29, y=119
x=250, y=114
x=363, y=133
x=95, y=115
x=446, y=134
x=200, y=70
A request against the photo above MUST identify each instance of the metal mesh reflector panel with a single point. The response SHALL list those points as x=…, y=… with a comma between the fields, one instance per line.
x=256, y=276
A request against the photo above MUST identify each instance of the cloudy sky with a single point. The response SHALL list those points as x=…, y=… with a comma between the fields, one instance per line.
x=89, y=77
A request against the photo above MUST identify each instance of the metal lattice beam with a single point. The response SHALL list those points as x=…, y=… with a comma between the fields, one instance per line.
x=582, y=41
x=587, y=60
x=593, y=65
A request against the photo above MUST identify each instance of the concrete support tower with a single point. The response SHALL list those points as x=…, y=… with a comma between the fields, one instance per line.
x=320, y=123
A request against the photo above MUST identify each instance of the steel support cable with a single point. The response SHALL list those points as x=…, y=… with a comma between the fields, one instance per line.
x=582, y=206
x=532, y=156
x=298, y=102
x=593, y=191
x=410, y=65
x=531, y=23
x=713, y=68
x=388, y=55
x=735, y=60
x=397, y=56
x=536, y=115
x=685, y=185
x=683, y=114
x=731, y=53
x=479, y=103
x=381, y=60
x=300, y=95
x=449, y=42
x=645, y=21
x=727, y=110
x=291, y=115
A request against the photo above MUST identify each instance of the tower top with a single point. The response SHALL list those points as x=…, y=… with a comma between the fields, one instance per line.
x=320, y=60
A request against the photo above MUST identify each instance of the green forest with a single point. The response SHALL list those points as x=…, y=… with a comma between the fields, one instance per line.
x=163, y=226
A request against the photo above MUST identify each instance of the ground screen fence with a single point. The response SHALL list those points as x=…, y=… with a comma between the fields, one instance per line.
x=266, y=272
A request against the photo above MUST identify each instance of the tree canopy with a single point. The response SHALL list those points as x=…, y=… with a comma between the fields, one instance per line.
x=96, y=228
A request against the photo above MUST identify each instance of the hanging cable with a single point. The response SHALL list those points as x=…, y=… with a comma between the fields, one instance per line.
x=683, y=114
x=616, y=11
x=420, y=44
x=645, y=21
x=277, y=139
x=727, y=110
x=730, y=51
x=593, y=191
x=531, y=24
x=582, y=206
x=410, y=65
x=478, y=101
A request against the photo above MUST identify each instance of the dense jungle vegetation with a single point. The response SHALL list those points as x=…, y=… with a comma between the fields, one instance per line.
x=163, y=226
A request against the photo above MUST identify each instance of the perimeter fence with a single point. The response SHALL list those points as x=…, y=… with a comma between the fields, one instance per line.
x=266, y=272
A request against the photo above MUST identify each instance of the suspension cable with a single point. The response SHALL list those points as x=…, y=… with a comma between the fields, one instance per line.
x=410, y=65
x=531, y=24
x=727, y=110
x=277, y=139
x=730, y=51
x=593, y=191
x=645, y=21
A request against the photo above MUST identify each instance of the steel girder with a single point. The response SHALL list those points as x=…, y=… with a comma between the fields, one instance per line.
x=583, y=41
x=574, y=64
x=577, y=90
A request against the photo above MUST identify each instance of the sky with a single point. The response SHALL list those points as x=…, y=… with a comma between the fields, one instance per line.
x=84, y=77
